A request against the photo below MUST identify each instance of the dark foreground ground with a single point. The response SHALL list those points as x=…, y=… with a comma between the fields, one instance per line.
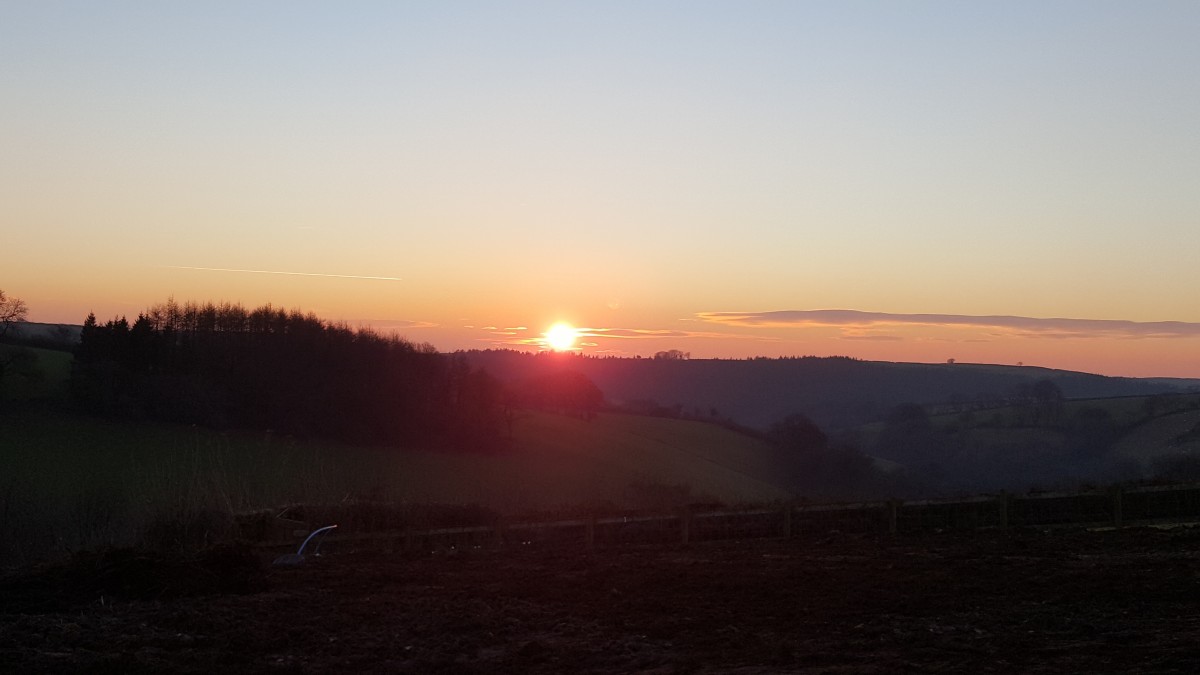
x=1025, y=602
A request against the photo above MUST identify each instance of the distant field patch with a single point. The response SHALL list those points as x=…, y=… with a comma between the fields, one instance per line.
x=1174, y=434
x=39, y=373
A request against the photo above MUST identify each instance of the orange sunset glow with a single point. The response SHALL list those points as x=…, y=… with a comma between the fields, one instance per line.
x=782, y=162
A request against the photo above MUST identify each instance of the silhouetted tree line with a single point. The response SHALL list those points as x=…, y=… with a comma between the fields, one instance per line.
x=672, y=355
x=821, y=468
x=224, y=366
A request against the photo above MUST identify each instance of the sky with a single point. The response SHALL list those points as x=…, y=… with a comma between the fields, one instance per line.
x=1001, y=182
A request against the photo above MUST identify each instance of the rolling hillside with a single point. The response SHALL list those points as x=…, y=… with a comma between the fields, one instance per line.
x=838, y=393
x=54, y=457
x=69, y=481
x=1169, y=436
x=628, y=459
x=555, y=460
x=1093, y=440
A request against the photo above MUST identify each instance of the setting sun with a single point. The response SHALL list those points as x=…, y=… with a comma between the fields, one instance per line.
x=561, y=336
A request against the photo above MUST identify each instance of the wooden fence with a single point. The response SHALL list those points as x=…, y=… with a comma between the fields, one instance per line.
x=1107, y=508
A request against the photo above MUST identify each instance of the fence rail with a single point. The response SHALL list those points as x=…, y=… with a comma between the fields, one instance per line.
x=1111, y=508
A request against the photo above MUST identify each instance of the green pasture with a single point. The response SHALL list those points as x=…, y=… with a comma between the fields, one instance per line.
x=621, y=458
x=69, y=481
x=557, y=461
x=45, y=375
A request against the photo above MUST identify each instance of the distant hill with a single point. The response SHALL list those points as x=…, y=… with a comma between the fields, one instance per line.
x=50, y=335
x=836, y=392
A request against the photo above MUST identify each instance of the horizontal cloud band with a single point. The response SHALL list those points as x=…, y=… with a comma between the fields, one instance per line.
x=623, y=334
x=633, y=333
x=292, y=274
x=1020, y=325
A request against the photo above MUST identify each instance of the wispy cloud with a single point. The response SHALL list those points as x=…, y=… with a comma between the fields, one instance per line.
x=874, y=338
x=650, y=334
x=1023, y=326
x=294, y=274
x=507, y=331
x=395, y=324
x=633, y=333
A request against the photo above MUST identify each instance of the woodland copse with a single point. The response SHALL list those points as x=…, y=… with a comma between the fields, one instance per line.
x=224, y=366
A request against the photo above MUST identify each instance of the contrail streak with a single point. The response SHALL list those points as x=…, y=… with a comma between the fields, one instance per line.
x=295, y=274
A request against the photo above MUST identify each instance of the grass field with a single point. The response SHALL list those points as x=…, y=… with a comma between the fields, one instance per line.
x=1174, y=434
x=70, y=481
x=51, y=369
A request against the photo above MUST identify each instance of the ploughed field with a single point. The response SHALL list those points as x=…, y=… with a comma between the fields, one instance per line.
x=1025, y=601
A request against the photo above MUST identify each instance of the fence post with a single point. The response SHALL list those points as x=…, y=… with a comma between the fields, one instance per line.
x=685, y=526
x=787, y=521
x=893, y=516
x=591, y=533
x=1118, y=516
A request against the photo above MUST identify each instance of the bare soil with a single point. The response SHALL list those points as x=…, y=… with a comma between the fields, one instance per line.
x=1025, y=602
